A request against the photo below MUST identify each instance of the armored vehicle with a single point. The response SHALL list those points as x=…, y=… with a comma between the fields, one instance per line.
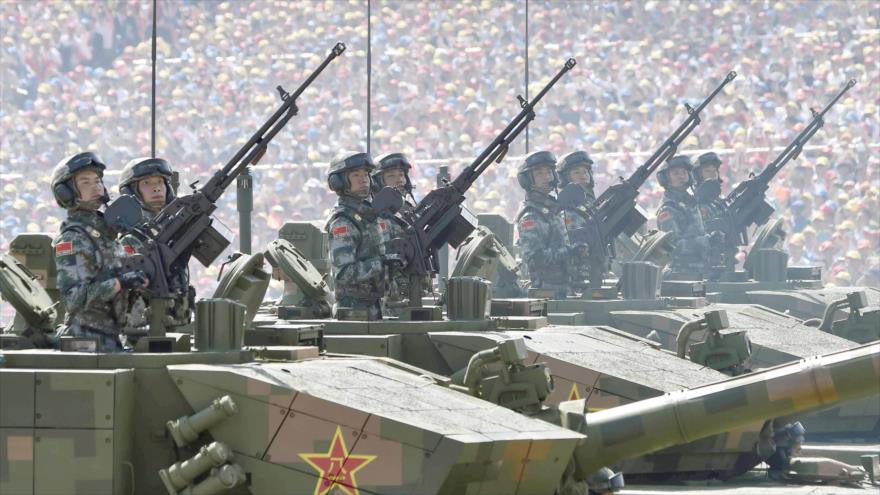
x=232, y=420
x=593, y=363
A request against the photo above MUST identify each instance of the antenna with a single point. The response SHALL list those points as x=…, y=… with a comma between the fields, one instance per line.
x=153, y=95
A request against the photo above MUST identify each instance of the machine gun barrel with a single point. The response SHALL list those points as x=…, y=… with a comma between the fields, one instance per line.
x=184, y=226
x=500, y=145
x=747, y=204
x=670, y=146
x=438, y=217
x=255, y=147
x=793, y=150
x=615, y=210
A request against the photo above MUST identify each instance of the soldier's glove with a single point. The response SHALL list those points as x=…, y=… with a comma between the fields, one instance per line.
x=134, y=280
x=579, y=251
x=394, y=260
x=716, y=238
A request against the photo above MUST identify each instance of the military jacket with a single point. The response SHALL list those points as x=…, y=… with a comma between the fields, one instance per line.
x=88, y=260
x=543, y=241
x=356, y=247
x=725, y=256
x=393, y=226
x=680, y=215
x=580, y=266
x=181, y=304
x=711, y=210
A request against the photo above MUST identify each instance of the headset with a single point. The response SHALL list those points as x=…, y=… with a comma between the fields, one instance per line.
x=390, y=161
x=65, y=191
x=535, y=160
x=149, y=167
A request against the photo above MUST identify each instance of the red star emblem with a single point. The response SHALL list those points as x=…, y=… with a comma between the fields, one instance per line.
x=337, y=466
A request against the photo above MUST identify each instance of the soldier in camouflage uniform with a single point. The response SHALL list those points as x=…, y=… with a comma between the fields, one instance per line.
x=393, y=171
x=542, y=238
x=577, y=168
x=149, y=181
x=680, y=215
x=711, y=205
x=357, y=253
x=88, y=257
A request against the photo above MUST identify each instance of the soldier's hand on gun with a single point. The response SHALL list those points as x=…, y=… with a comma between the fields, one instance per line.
x=134, y=280
x=716, y=238
x=394, y=260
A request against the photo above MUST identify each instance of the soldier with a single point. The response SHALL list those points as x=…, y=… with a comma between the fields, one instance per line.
x=542, y=237
x=393, y=171
x=357, y=253
x=149, y=181
x=711, y=206
x=680, y=215
x=708, y=186
x=88, y=257
x=577, y=168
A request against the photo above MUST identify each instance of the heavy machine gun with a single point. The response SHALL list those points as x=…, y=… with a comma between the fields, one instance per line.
x=184, y=226
x=747, y=204
x=615, y=211
x=440, y=218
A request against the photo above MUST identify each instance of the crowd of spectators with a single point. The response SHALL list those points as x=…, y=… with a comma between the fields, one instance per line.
x=444, y=76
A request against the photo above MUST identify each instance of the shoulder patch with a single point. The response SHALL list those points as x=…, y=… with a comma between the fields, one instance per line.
x=527, y=224
x=129, y=249
x=382, y=225
x=663, y=215
x=341, y=230
x=63, y=248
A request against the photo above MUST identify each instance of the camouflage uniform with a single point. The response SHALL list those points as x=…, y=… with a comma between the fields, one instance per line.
x=88, y=260
x=393, y=226
x=712, y=207
x=680, y=215
x=710, y=210
x=574, y=218
x=180, y=306
x=356, y=249
x=178, y=311
x=580, y=266
x=543, y=242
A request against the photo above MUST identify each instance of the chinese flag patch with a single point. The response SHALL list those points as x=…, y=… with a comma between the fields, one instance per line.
x=382, y=225
x=663, y=215
x=129, y=249
x=342, y=229
x=64, y=248
x=527, y=224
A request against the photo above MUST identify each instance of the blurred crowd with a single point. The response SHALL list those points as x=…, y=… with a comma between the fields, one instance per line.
x=444, y=76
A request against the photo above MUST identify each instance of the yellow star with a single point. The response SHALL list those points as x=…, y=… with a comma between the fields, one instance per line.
x=337, y=466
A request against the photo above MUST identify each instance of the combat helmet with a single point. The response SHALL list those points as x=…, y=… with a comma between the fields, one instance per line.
x=705, y=160
x=140, y=168
x=63, y=187
x=534, y=160
x=349, y=160
x=390, y=161
x=571, y=160
x=678, y=161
